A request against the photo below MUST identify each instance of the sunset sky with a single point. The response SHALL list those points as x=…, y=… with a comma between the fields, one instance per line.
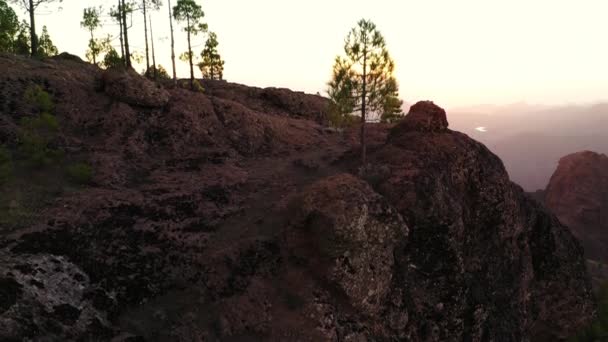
x=456, y=53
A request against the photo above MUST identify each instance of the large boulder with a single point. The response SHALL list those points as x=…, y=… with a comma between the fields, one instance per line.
x=354, y=233
x=424, y=116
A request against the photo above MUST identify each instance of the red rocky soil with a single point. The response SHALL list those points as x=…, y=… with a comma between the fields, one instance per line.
x=236, y=216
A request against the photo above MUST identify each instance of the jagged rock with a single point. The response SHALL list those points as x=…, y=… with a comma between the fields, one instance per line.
x=424, y=116
x=133, y=89
x=478, y=245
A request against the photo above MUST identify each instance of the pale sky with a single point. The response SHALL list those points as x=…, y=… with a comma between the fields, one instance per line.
x=454, y=52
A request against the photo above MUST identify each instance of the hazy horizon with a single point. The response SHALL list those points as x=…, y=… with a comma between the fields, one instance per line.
x=456, y=54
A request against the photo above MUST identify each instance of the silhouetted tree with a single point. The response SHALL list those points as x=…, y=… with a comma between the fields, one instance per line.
x=172, y=43
x=363, y=80
x=21, y=45
x=154, y=71
x=191, y=13
x=30, y=6
x=212, y=65
x=145, y=5
x=46, y=47
x=90, y=21
x=126, y=8
x=116, y=14
x=9, y=27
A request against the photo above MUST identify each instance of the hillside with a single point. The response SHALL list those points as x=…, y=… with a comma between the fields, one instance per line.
x=236, y=215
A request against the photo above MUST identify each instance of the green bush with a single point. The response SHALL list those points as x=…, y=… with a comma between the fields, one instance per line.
x=36, y=96
x=6, y=165
x=36, y=135
x=80, y=173
x=38, y=132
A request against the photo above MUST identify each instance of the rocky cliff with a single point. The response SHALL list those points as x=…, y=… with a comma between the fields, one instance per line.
x=211, y=219
x=578, y=195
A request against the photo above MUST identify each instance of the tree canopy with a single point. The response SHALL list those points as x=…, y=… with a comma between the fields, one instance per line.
x=363, y=79
x=9, y=27
x=30, y=6
x=46, y=47
x=190, y=13
x=90, y=21
x=211, y=65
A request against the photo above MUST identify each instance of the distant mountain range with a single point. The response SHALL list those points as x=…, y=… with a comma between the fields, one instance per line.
x=530, y=139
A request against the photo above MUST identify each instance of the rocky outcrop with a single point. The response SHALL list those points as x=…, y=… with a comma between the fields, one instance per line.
x=423, y=116
x=578, y=195
x=212, y=219
x=278, y=101
x=129, y=87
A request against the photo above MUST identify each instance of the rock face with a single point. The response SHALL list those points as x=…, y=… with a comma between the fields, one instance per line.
x=578, y=195
x=211, y=219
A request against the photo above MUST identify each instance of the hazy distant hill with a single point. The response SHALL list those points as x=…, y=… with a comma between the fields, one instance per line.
x=530, y=139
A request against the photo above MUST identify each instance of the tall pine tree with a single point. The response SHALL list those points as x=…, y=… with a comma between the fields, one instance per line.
x=211, y=65
x=30, y=6
x=190, y=13
x=363, y=80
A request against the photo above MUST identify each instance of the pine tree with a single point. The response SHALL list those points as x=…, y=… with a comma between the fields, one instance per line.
x=90, y=21
x=46, y=47
x=30, y=6
x=9, y=27
x=172, y=43
x=145, y=5
x=212, y=65
x=191, y=13
x=21, y=45
x=363, y=80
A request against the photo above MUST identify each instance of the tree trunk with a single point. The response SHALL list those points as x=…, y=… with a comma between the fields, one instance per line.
x=146, y=33
x=126, y=34
x=190, y=56
x=122, y=44
x=363, y=114
x=172, y=44
x=33, y=37
x=153, y=54
x=93, y=52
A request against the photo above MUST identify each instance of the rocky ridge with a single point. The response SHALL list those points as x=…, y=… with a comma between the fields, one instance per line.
x=212, y=219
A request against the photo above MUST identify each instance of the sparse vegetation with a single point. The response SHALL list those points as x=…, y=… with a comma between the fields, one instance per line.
x=80, y=173
x=36, y=170
x=598, y=330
